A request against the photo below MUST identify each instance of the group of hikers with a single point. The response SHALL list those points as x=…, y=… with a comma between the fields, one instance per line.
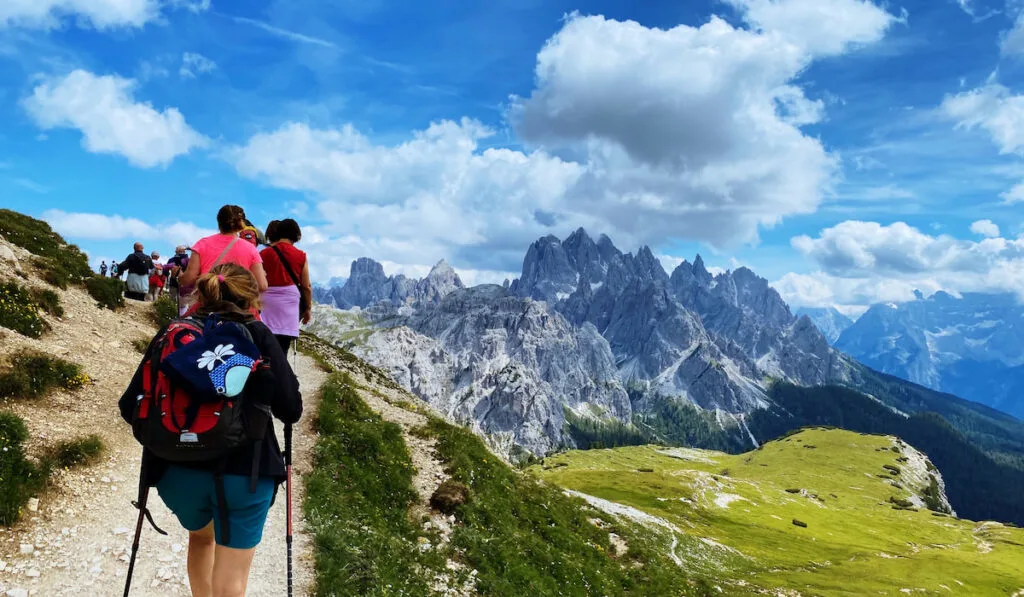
x=147, y=277
x=202, y=400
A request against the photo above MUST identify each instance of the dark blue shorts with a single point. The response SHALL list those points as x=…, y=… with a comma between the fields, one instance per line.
x=191, y=495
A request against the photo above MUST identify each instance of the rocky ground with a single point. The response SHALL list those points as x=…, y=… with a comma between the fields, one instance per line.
x=78, y=539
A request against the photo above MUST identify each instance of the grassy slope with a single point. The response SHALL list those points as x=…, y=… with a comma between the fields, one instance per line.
x=520, y=535
x=841, y=550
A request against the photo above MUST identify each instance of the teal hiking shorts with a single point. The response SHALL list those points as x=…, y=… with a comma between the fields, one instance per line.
x=191, y=494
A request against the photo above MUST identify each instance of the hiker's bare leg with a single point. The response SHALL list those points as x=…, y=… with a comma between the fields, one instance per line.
x=200, y=561
x=231, y=571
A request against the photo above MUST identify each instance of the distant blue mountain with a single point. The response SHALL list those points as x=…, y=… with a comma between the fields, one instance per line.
x=971, y=346
x=828, y=320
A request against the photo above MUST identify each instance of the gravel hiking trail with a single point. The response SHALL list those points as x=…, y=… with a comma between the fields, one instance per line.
x=78, y=540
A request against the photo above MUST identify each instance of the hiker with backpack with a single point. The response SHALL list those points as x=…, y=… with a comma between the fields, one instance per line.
x=137, y=265
x=103, y=269
x=174, y=267
x=287, y=300
x=201, y=403
x=224, y=247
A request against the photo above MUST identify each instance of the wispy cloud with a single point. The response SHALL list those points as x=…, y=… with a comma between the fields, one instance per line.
x=30, y=185
x=968, y=7
x=285, y=33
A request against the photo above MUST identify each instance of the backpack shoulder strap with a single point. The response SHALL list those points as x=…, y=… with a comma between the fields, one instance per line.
x=287, y=266
x=223, y=253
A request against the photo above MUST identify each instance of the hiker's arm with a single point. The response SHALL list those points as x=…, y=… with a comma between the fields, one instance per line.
x=287, y=404
x=191, y=272
x=307, y=289
x=260, y=274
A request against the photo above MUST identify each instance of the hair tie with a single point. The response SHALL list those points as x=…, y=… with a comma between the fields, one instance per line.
x=220, y=277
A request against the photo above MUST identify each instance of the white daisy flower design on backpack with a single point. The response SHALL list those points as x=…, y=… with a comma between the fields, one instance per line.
x=210, y=359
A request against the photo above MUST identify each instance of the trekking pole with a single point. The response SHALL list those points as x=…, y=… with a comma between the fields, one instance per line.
x=143, y=497
x=288, y=472
x=143, y=515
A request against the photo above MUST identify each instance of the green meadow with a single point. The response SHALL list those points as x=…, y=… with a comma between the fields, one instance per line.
x=738, y=520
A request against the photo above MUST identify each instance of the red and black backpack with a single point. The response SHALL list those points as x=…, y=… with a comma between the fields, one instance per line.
x=176, y=417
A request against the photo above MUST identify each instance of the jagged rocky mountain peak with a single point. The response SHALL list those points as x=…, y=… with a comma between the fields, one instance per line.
x=364, y=266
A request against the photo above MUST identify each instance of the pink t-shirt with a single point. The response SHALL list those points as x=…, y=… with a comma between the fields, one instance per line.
x=209, y=248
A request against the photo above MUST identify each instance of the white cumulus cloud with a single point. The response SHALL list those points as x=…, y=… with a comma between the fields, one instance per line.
x=644, y=134
x=110, y=119
x=865, y=262
x=823, y=27
x=426, y=198
x=100, y=14
x=93, y=226
x=986, y=228
x=992, y=108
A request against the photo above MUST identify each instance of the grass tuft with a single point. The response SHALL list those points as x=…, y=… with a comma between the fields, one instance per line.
x=33, y=374
x=48, y=301
x=165, y=310
x=108, y=292
x=81, y=451
x=19, y=478
x=19, y=312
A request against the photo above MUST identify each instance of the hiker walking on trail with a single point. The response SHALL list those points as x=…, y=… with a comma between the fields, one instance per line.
x=225, y=247
x=103, y=269
x=113, y=270
x=156, y=283
x=287, y=300
x=174, y=267
x=220, y=491
x=137, y=265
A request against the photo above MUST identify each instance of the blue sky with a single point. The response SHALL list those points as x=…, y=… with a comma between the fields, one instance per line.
x=849, y=151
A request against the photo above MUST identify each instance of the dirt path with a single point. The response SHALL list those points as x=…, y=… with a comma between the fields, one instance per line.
x=79, y=540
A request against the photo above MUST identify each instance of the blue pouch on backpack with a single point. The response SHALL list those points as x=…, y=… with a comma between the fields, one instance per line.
x=217, y=364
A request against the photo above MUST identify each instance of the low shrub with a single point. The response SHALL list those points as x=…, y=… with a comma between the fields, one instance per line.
x=164, y=310
x=645, y=470
x=902, y=503
x=108, y=292
x=19, y=478
x=77, y=452
x=48, y=301
x=33, y=374
x=449, y=496
x=60, y=262
x=793, y=490
x=800, y=523
x=140, y=345
x=893, y=470
x=19, y=312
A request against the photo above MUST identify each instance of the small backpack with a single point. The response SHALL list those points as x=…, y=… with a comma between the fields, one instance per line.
x=193, y=405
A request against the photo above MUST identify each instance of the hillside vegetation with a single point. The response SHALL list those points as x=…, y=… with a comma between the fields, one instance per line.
x=820, y=512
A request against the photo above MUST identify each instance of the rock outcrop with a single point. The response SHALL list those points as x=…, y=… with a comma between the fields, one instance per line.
x=368, y=285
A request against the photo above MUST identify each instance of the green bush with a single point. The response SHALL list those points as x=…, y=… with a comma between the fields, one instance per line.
x=60, y=262
x=77, y=452
x=19, y=478
x=49, y=301
x=140, y=344
x=108, y=292
x=19, y=312
x=33, y=374
x=165, y=309
x=800, y=523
